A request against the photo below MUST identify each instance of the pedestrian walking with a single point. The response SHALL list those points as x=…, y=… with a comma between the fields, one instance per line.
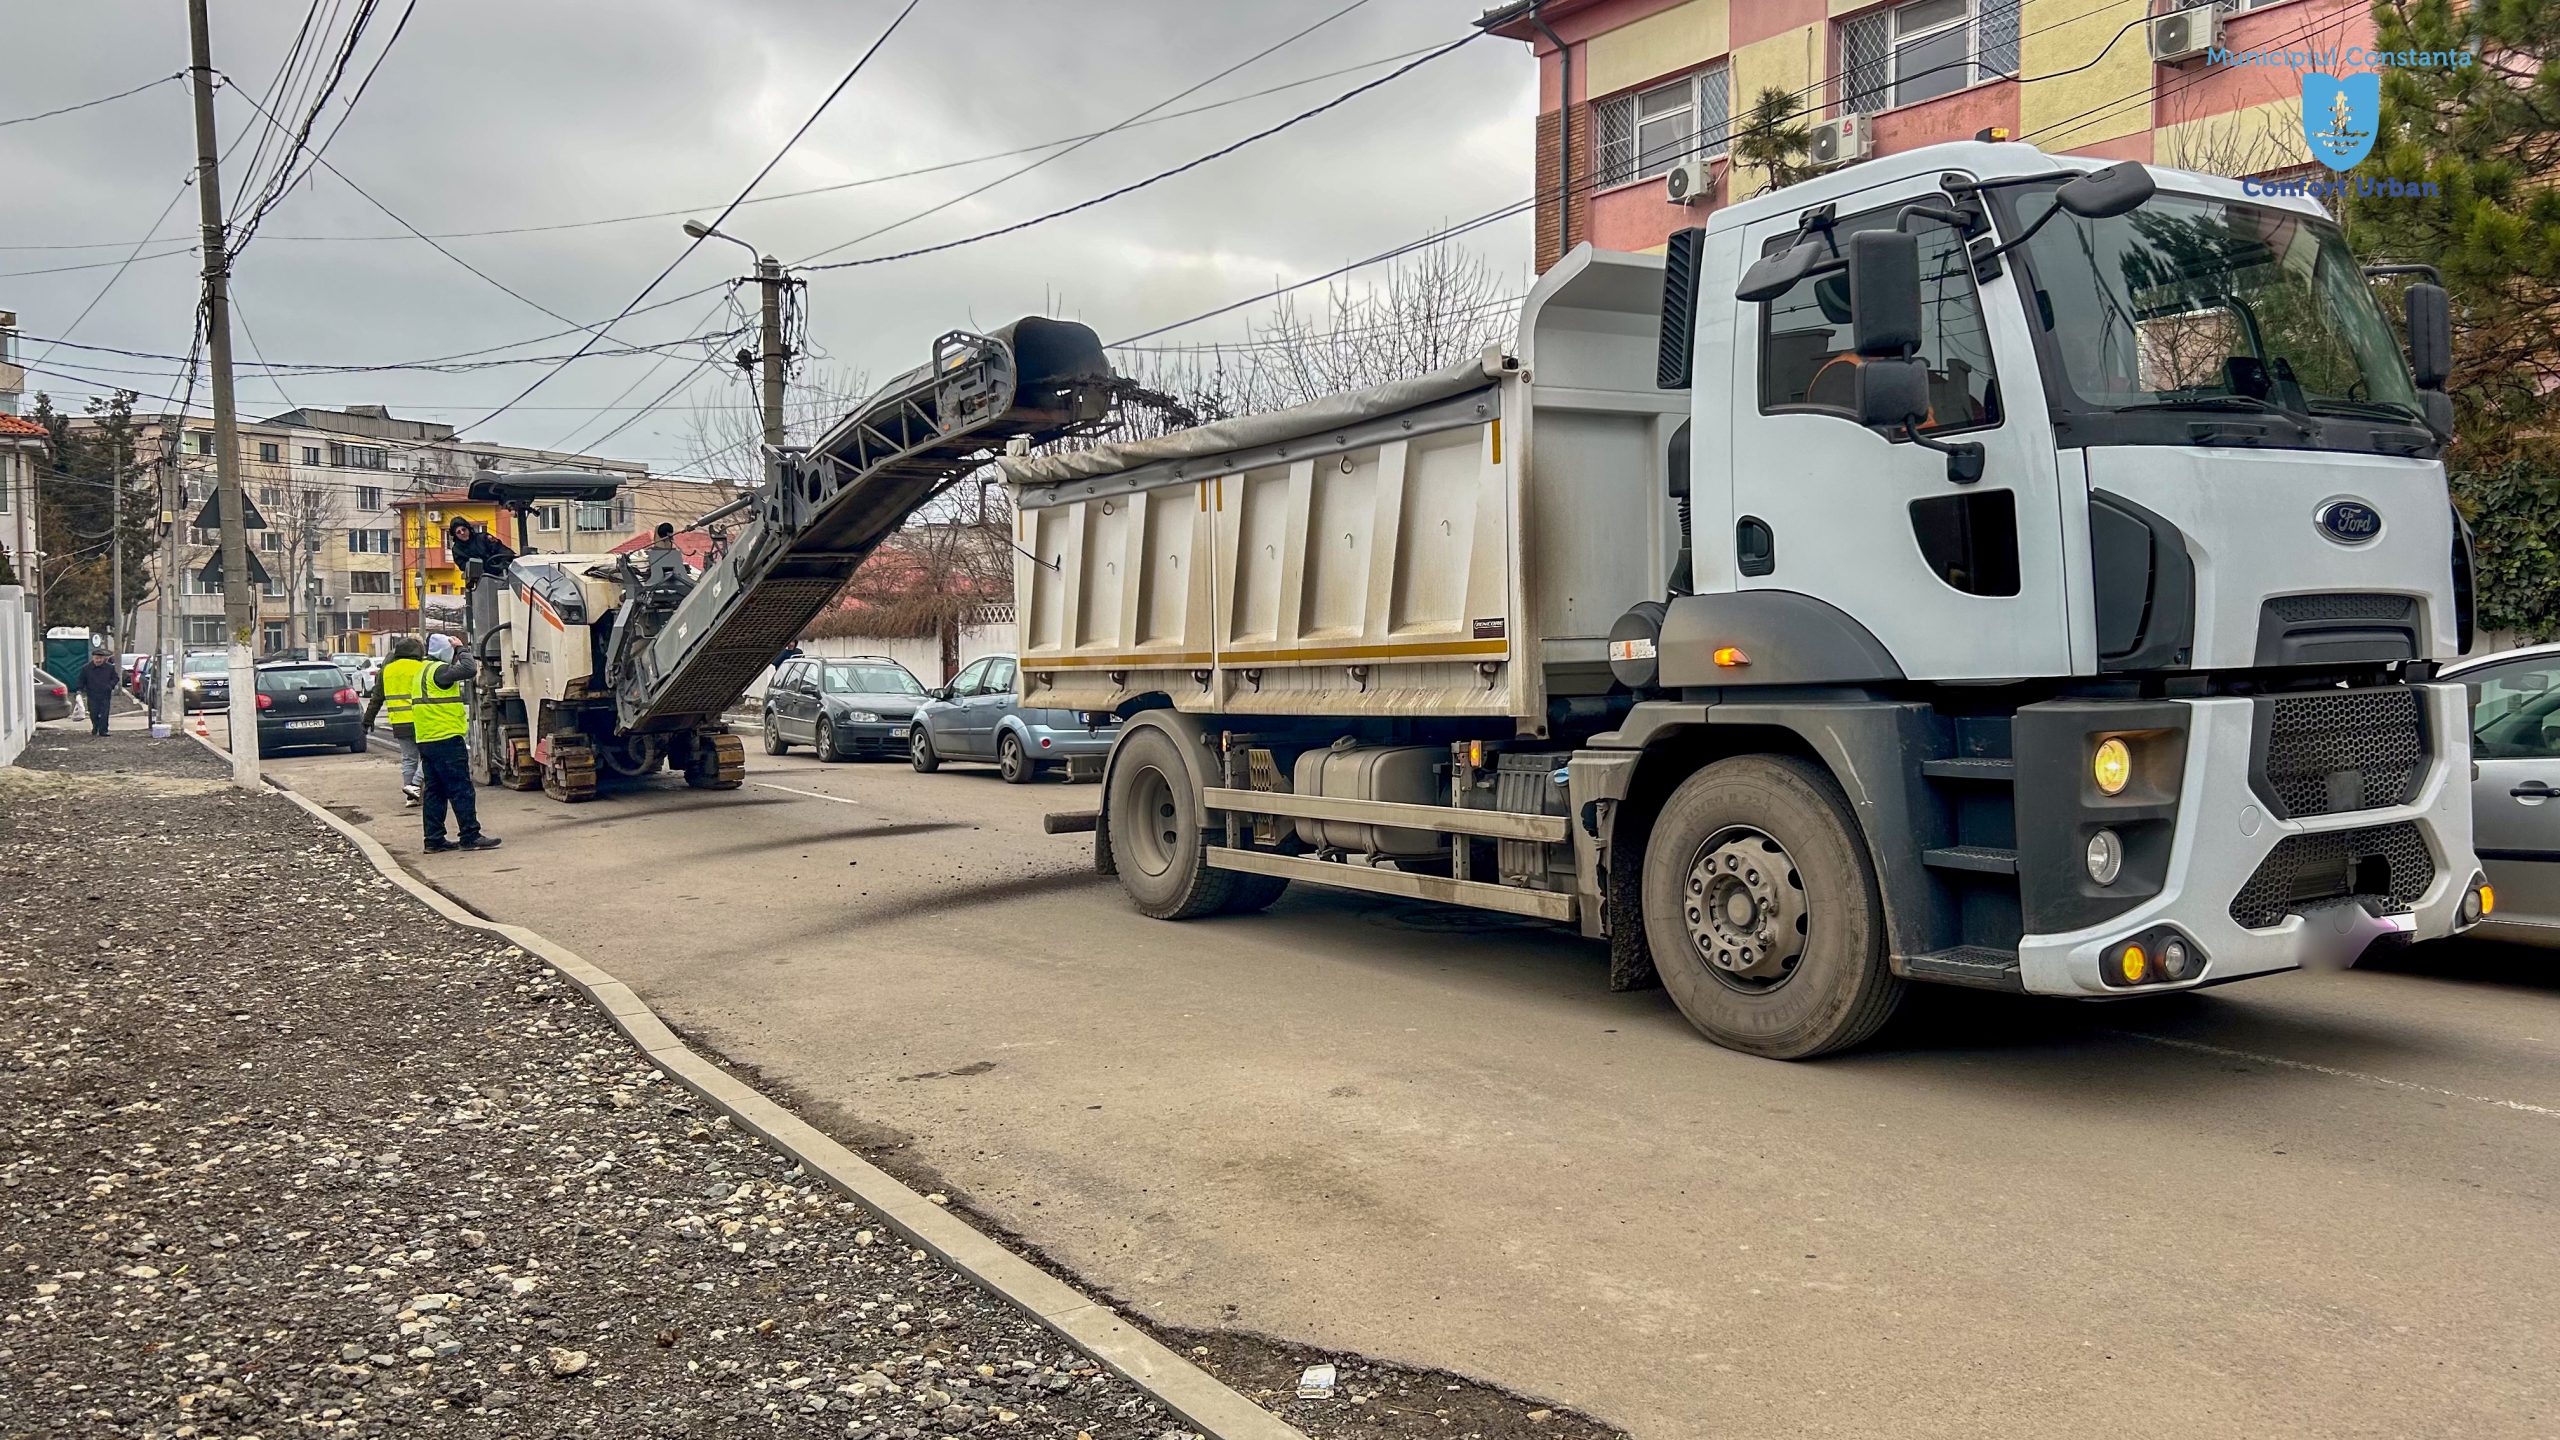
x=97, y=686
x=441, y=724
x=393, y=685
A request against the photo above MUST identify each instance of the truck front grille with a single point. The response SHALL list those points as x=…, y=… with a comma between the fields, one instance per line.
x=2329, y=752
x=2384, y=863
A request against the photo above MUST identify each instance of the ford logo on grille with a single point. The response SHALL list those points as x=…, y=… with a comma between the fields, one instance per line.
x=2348, y=522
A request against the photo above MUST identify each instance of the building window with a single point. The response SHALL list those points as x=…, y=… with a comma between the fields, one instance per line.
x=1644, y=133
x=274, y=631
x=369, y=582
x=204, y=630
x=368, y=497
x=368, y=542
x=1808, y=360
x=270, y=496
x=1919, y=51
x=202, y=440
x=310, y=454
x=546, y=517
x=270, y=541
x=597, y=517
x=358, y=457
x=270, y=452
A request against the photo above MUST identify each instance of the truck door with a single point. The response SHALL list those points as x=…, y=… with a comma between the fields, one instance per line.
x=1959, y=581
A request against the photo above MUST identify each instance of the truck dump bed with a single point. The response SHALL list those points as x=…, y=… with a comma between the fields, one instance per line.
x=1452, y=545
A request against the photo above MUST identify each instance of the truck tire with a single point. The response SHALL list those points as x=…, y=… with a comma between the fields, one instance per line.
x=1157, y=836
x=1762, y=911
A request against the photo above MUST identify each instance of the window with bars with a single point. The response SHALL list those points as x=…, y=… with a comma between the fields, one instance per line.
x=1904, y=54
x=369, y=582
x=1643, y=133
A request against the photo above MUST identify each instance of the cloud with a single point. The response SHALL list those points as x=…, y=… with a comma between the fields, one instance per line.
x=491, y=115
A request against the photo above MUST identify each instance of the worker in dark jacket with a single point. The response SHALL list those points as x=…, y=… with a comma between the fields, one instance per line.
x=442, y=724
x=98, y=688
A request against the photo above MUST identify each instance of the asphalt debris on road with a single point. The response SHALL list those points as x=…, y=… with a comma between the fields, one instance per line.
x=283, y=1151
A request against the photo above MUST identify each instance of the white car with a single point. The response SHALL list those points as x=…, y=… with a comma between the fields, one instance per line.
x=2515, y=754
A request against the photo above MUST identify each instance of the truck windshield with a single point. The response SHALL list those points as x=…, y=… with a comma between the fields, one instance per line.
x=2193, y=304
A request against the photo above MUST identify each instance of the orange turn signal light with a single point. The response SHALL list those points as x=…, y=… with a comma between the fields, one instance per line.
x=2133, y=963
x=1728, y=657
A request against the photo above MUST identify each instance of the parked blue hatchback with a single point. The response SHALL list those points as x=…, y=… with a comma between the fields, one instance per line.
x=976, y=717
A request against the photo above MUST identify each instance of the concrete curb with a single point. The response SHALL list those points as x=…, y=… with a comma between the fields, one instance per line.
x=1204, y=1402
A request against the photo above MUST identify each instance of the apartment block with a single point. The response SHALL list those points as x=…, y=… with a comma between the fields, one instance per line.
x=1630, y=89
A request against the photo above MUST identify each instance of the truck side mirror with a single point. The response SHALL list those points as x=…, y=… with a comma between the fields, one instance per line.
x=2430, y=336
x=1892, y=392
x=1884, y=294
x=2104, y=193
x=1774, y=275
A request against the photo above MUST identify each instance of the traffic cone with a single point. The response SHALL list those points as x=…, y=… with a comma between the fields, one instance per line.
x=201, y=732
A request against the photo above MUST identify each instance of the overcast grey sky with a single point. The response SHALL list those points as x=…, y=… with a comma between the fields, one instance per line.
x=538, y=112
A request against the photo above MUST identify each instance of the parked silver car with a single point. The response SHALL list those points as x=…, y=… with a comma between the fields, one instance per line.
x=976, y=717
x=2515, y=753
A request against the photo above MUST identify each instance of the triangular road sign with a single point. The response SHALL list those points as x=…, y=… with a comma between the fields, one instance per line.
x=211, y=574
x=210, y=517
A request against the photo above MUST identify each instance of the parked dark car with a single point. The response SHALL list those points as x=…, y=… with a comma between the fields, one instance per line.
x=204, y=681
x=843, y=709
x=308, y=702
x=53, y=698
x=976, y=717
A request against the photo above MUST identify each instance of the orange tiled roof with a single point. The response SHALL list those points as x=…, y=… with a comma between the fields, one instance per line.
x=17, y=425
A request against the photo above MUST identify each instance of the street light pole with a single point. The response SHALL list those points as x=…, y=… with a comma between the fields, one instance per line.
x=772, y=353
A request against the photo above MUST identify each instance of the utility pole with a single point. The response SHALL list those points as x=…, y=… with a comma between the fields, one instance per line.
x=238, y=599
x=115, y=550
x=769, y=276
x=171, y=639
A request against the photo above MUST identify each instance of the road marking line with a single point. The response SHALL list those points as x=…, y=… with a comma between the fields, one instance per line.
x=812, y=794
x=2334, y=1072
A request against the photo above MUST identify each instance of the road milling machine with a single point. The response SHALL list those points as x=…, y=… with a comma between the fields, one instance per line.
x=607, y=664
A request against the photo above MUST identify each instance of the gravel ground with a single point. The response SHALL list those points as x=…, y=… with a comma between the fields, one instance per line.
x=248, y=1192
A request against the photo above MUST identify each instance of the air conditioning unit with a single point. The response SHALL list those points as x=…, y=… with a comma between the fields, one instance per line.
x=328, y=602
x=1841, y=140
x=2185, y=34
x=1690, y=182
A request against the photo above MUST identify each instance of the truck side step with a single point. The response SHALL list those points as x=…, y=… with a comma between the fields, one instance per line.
x=1981, y=859
x=1476, y=894
x=1986, y=770
x=1978, y=966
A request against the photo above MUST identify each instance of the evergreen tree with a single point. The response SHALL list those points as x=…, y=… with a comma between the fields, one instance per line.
x=1774, y=141
x=2488, y=136
x=77, y=478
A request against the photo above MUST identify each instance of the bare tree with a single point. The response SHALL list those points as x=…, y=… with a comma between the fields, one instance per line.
x=303, y=511
x=728, y=443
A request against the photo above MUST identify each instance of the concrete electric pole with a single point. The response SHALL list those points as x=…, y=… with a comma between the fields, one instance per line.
x=115, y=551
x=238, y=598
x=772, y=355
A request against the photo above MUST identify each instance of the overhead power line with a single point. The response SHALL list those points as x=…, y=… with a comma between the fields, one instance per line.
x=90, y=104
x=1187, y=91
x=725, y=211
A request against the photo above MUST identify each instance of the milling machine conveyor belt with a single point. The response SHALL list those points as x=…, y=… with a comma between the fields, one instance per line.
x=1035, y=379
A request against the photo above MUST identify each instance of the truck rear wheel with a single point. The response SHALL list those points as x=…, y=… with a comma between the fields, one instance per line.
x=1157, y=837
x=1762, y=912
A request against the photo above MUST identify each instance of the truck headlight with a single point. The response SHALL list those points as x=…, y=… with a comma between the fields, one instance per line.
x=2105, y=856
x=2112, y=767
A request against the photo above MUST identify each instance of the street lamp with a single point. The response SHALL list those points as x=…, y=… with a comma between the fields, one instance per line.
x=769, y=277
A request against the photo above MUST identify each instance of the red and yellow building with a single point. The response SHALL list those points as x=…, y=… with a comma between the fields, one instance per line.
x=1627, y=88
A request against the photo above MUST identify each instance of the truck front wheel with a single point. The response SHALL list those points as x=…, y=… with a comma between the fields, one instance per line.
x=1158, y=839
x=1762, y=912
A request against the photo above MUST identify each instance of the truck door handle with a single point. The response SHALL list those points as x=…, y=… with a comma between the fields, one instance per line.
x=2533, y=790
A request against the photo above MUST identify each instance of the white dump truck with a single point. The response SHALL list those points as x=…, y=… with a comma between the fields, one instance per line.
x=1972, y=566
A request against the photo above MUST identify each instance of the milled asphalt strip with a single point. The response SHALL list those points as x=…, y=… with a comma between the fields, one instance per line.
x=1180, y=1386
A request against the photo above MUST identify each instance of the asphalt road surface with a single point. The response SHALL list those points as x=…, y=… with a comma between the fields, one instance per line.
x=2316, y=1204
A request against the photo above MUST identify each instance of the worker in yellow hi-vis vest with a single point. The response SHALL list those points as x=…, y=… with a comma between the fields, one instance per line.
x=442, y=724
x=392, y=686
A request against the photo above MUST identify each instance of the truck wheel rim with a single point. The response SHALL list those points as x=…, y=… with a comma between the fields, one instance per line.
x=1744, y=903
x=1153, y=835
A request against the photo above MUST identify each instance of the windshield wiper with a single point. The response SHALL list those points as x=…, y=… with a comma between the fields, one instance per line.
x=2371, y=409
x=2247, y=403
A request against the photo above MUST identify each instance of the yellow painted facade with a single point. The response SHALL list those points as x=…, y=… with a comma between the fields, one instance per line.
x=1790, y=60
x=1666, y=41
x=2059, y=35
x=424, y=571
x=2250, y=141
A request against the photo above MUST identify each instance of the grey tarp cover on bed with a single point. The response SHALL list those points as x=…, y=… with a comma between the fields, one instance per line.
x=1249, y=431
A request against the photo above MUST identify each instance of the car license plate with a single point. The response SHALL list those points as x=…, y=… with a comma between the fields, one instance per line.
x=304, y=724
